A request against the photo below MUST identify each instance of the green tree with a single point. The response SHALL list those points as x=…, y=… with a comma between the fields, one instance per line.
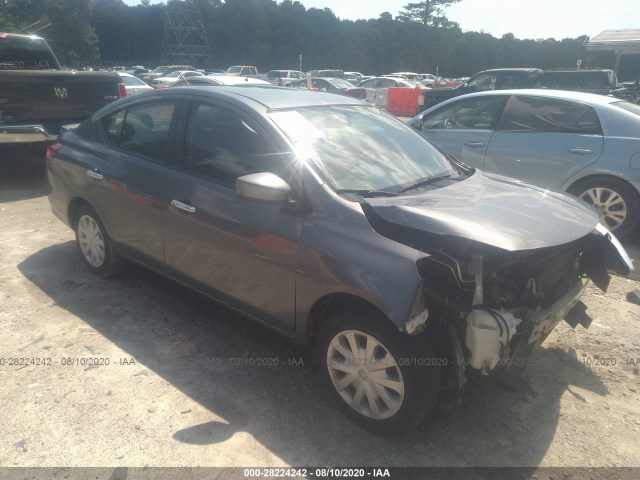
x=429, y=13
x=71, y=36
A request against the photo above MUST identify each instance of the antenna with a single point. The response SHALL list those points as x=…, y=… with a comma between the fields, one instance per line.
x=184, y=40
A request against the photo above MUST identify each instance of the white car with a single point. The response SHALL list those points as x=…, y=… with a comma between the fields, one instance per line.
x=133, y=84
x=164, y=82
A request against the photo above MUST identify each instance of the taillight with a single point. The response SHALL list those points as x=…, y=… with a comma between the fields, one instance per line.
x=122, y=90
x=51, y=151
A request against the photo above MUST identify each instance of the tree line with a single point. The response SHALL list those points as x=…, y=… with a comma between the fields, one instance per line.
x=272, y=35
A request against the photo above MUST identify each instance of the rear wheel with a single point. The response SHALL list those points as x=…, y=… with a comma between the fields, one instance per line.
x=95, y=245
x=616, y=202
x=384, y=380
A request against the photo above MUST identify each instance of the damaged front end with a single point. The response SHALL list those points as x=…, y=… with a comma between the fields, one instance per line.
x=503, y=304
x=490, y=304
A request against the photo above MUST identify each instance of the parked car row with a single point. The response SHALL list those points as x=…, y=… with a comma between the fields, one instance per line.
x=599, y=81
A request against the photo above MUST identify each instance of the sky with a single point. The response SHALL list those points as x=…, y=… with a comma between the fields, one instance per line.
x=525, y=19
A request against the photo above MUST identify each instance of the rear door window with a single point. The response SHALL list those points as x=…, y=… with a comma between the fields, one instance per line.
x=541, y=114
x=142, y=129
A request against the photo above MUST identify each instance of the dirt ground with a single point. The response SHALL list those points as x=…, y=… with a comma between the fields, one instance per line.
x=137, y=371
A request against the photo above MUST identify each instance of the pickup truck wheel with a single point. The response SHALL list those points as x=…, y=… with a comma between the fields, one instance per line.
x=617, y=203
x=95, y=245
x=384, y=380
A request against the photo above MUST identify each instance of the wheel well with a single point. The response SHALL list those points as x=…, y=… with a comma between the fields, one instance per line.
x=589, y=178
x=325, y=306
x=72, y=211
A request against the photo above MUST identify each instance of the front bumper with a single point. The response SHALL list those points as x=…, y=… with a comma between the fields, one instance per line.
x=25, y=134
x=540, y=326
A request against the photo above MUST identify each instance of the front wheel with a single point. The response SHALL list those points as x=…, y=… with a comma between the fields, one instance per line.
x=384, y=380
x=616, y=202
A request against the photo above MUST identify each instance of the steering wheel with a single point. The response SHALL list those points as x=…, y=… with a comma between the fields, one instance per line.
x=451, y=123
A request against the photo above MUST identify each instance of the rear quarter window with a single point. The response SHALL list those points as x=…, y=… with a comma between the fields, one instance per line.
x=142, y=129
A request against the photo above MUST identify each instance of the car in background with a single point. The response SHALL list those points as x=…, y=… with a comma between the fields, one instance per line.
x=243, y=70
x=598, y=81
x=328, y=73
x=331, y=85
x=133, y=84
x=354, y=77
x=213, y=71
x=218, y=80
x=487, y=80
x=280, y=77
x=414, y=77
x=336, y=225
x=167, y=81
x=429, y=80
x=584, y=144
x=161, y=71
x=378, y=88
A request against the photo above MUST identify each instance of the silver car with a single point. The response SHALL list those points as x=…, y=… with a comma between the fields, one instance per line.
x=378, y=88
x=584, y=144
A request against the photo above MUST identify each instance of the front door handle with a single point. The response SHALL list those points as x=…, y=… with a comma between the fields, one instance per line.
x=580, y=151
x=183, y=206
x=95, y=174
x=475, y=144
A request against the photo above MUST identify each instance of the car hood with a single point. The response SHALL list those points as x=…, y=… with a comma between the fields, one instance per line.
x=491, y=209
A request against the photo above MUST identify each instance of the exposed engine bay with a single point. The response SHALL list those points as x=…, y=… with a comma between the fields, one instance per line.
x=493, y=307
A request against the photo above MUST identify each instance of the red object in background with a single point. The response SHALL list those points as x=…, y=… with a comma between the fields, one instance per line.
x=403, y=101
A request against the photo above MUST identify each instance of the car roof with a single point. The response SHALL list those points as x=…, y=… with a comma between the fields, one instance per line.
x=590, y=98
x=271, y=97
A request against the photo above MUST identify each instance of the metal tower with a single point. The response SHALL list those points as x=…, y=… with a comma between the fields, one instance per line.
x=184, y=40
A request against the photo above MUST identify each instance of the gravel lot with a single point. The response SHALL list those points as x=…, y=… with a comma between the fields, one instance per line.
x=180, y=390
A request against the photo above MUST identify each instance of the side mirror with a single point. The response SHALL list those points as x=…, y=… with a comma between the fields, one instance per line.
x=263, y=187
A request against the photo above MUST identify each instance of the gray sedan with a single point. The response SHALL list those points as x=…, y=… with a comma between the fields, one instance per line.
x=338, y=226
x=584, y=144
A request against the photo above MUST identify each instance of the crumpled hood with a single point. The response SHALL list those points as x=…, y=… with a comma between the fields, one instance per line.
x=494, y=210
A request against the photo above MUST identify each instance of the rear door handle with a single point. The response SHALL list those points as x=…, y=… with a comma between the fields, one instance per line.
x=475, y=144
x=183, y=206
x=580, y=151
x=95, y=174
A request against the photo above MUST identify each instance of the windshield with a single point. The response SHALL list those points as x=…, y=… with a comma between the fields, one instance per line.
x=234, y=69
x=361, y=148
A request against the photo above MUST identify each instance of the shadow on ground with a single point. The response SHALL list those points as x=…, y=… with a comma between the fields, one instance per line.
x=22, y=174
x=205, y=351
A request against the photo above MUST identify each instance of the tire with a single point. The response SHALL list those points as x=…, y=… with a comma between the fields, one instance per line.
x=94, y=244
x=617, y=202
x=411, y=381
